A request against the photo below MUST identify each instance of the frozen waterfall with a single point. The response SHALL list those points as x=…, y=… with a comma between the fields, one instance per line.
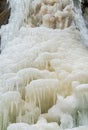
x=44, y=66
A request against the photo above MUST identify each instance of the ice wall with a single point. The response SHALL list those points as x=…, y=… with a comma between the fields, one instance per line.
x=43, y=68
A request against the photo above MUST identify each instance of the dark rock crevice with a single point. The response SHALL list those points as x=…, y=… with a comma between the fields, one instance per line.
x=84, y=5
x=4, y=12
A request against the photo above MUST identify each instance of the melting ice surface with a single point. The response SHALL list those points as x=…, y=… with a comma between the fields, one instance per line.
x=43, y=68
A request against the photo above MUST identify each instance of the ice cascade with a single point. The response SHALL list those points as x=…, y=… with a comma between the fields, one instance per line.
x=43, y=67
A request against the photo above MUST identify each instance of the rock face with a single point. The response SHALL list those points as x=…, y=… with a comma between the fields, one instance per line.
x=84, y=5
x=4, y=12
x=85, y=11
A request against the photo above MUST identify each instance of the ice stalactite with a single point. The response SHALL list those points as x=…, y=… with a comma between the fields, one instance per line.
x=69, y=111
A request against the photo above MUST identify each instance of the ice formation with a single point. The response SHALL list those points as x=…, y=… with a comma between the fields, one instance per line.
x=43, y=68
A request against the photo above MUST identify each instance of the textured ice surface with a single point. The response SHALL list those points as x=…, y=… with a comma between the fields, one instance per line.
x=43, y=71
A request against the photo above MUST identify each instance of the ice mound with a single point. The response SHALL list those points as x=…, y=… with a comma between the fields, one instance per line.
x=41, y=68
x=43, y=125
